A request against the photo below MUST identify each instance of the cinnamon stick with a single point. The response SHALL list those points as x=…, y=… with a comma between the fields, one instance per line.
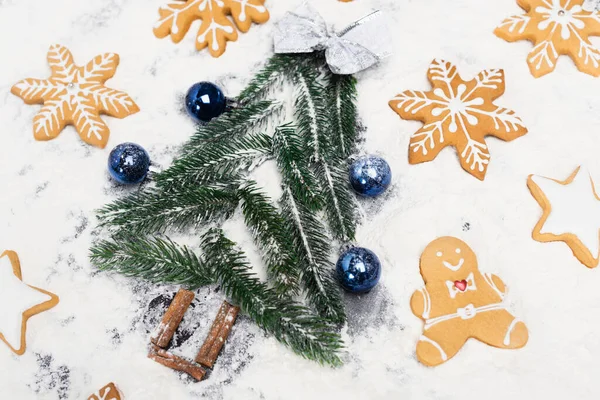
x=221, y=327
x=169, y=360
x=172, y=318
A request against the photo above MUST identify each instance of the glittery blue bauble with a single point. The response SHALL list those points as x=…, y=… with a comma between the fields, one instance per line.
x=370, y=176
x=128, y=163
x=205, y=101
x=358, y=270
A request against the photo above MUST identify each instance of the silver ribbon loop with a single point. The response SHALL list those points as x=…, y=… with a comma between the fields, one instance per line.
x=359, y=46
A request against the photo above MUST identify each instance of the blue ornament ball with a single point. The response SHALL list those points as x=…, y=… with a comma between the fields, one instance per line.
x=370, y=176
x=205, y=101
x=358, y=270
x=128, y=163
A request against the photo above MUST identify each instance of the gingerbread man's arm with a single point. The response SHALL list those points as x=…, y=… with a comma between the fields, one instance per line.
x=497, y=284
x=417, y=303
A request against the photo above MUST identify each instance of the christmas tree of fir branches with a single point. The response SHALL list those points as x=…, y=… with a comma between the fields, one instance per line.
x=210, y=182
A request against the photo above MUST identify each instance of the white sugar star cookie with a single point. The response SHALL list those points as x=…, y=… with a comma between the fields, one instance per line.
x=18, y=302
x=571, y=214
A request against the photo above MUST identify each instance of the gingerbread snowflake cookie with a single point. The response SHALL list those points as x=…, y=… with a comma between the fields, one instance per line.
x=18, y=302
x=216, y=29
x=459, y=302
x=75, y=95
x=571, y=213
x=108, y=392
x=555, y=27
x=458, y=113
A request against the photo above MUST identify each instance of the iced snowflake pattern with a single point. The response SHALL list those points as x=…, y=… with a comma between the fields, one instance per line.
x=458, y=113
x=75, y=95
x=555, y=27
x=216, y=29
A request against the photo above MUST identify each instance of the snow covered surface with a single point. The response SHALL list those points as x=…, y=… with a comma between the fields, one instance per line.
x=100, y=329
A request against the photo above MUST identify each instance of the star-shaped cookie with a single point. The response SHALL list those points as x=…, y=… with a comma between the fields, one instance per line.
x=77, y=96
x=458, y=113
x=555, y=27
x=571, y=214
x=18, y=302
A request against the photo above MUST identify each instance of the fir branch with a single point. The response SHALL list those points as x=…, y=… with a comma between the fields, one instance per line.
x=340, y=204
x=293, y=165
x=290, y=323
x=236, y=123
x=271, y=76
x=155, y=210
x=218, y=161
x=316, y=123
x=310, y=109
x=272, y=236
x=154, y=259
x=163, y=261
x=341, y=90
x=313, y=248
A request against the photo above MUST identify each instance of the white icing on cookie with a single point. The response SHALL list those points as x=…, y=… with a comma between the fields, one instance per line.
x=574, y=209
x=15, y=298
x=453, y=267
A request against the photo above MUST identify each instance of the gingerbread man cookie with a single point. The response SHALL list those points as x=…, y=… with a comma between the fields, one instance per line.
x=458, y=302
x=75, y=95
x=18, y=302
x=555, y=27
x=458, y=113
x=216, y=29
x=571, y=214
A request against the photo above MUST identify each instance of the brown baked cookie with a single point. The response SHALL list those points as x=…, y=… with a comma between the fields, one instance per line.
x=571, y=211
x=216, y=29
x=555, y=27
x=108, y=392
x=458, y=113
x=19, y=302
x=76, y=96
x=458, y=302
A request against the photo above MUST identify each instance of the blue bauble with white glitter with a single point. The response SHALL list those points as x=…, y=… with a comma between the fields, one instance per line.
x=128, y=163
x=358, y=270
x=370, y=176
x=205, y=101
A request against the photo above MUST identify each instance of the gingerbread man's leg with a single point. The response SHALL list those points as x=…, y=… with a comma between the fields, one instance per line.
x=501, y=329
x=436, y=346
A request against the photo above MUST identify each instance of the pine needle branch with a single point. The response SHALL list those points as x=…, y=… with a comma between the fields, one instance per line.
x=238, y=122
x=341, y=90
x=155, y=210
x=271, y=76
x=316, y=122
x=293, y=165
x=153, y=259
x=313, y=248
x=290, y=323
x=218, y=161
x=272, y=236
x=312, y=117
x=340, y=204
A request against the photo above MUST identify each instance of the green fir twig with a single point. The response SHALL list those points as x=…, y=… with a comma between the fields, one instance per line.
x=273, y=237
x=313, y=248
x=218, y=161
x=155, y=210
x=292, y=324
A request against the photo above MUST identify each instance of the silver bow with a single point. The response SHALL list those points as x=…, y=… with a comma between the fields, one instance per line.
x=357, y=47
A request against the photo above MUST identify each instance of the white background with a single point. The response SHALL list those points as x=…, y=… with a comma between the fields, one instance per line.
x=50, y=190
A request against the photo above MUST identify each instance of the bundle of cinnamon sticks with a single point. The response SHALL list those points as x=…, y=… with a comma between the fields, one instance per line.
x=207, y=356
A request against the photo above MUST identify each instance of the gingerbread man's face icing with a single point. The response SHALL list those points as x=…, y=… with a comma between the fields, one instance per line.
x=447, y=258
